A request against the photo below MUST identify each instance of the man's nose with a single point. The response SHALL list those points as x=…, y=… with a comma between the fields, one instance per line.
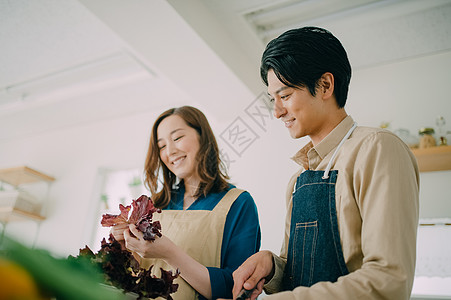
x=279, y=109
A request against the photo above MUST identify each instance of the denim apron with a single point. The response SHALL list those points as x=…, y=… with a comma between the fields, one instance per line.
x=314, y=248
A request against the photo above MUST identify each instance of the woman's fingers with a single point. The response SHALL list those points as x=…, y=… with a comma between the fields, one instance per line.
x=118, y=231
x=137, y=234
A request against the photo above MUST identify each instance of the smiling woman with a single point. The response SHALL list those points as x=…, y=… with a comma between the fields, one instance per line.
x=209, y=226
x=183, y=141
x=179, y=145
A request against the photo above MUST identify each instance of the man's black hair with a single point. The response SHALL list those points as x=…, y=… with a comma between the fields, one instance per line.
x=299, y=57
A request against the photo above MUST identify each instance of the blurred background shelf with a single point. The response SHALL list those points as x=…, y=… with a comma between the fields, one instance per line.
x=12, y=214
x=16, y=204
x=433, y=158
x=23, y=175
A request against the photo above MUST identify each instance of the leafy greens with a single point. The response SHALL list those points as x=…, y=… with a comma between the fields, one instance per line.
x=119, y=266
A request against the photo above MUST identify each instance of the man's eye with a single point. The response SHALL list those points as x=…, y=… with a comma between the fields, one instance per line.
x=271, y=103
x=284, y=97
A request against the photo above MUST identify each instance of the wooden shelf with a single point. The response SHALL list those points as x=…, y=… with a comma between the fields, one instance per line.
x=18, y=176
x=10, y=214
x=22, y=175
x=434, y=158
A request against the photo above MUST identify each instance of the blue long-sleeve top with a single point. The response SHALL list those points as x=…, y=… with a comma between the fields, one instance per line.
x=240, y=240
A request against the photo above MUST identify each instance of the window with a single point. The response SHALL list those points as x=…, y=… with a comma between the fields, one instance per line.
x=117, y=187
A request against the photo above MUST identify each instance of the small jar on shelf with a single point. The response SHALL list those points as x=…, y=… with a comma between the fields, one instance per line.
x=427, y=138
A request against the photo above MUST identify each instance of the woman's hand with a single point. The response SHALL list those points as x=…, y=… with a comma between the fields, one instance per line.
x=161, y=247
x=118, y=231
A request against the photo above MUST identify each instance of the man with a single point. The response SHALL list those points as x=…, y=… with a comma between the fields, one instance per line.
x=352, y=209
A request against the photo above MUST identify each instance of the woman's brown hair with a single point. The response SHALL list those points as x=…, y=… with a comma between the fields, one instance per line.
x=210, y=168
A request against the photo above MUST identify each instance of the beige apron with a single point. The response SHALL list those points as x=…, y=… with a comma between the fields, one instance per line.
x=199, y=233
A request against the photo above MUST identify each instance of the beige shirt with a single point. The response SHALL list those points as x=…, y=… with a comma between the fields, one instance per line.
x=377, y=209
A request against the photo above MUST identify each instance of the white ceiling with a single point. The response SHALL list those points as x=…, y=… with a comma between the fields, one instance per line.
x=69, y=62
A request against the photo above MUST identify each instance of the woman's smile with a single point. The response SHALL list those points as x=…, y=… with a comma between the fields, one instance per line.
x=178, y=161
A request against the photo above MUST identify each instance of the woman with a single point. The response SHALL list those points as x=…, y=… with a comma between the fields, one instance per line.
x=209, y=227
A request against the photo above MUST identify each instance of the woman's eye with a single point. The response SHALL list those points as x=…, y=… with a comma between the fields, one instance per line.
x=178, y=138
x=161, y=147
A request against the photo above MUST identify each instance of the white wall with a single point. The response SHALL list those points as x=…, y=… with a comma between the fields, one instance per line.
x=410, y=94
x=73, y=156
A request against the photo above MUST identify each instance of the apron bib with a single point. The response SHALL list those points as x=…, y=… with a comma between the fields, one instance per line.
x=199, y=233
x=314, y=249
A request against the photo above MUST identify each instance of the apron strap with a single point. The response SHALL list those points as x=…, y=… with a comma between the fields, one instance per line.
x=329, y=165
x=226, y=202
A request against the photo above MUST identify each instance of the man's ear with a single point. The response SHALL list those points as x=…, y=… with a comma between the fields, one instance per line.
x=327, y=85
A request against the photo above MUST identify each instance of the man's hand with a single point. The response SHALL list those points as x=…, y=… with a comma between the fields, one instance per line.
x=253, y=273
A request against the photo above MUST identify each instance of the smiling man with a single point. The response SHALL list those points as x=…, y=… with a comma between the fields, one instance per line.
x=352, y=209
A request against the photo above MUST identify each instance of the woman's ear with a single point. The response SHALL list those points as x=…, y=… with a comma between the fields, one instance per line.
x=327, y=85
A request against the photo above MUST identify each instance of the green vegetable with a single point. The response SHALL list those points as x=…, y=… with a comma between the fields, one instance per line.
x=64, y=279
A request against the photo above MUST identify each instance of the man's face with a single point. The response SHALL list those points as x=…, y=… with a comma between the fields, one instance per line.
x=302, y=113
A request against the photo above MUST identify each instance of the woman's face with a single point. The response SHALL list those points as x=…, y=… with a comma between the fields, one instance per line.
x=179, y=145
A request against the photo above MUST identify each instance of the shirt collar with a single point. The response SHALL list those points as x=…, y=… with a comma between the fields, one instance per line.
x=310, y=156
